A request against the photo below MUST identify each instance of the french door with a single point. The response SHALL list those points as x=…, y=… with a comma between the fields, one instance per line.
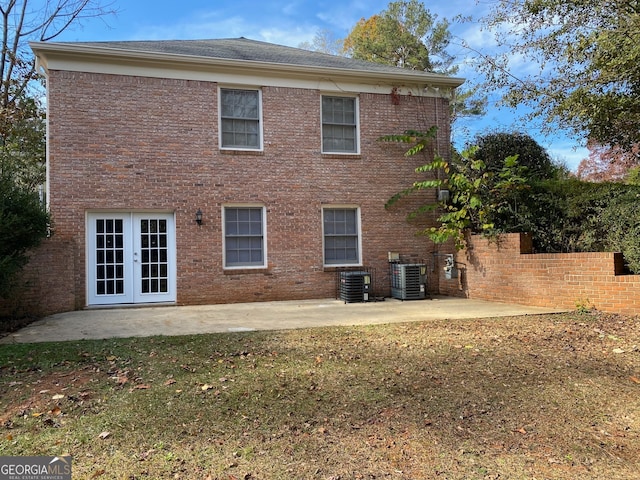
x=131, y=258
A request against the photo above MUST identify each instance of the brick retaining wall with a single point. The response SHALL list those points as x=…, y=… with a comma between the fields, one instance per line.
x=46, y=284
x=507, y=271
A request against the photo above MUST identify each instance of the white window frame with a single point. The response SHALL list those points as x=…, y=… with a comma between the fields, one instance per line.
x=358, y=261
x=356, y=100
x=264, y=263
x=260, y=146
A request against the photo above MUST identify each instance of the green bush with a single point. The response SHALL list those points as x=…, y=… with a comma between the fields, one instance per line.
x=23, y=224
x=575, y=216
x=493, y=148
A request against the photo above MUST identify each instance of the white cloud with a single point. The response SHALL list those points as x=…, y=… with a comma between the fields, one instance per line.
x=289, y=37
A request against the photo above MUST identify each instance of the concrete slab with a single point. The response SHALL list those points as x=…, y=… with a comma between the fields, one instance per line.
x=186, y=320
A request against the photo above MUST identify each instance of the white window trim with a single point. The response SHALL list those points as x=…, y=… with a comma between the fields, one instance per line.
x=357, y=109
x=264, y=237
x=359, y=227
x=260, y=120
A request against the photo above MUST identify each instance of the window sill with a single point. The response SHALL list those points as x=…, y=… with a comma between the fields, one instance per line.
x=247, y=271
x=342, y=156
x=231, y=151
x=341, y=268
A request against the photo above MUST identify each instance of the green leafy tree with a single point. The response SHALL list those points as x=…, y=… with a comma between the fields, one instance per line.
x=493, y=148
x=23, y=223
x=476, y=195
x=24, y=220
x=406, y=35
x=584, y=62
x=633, y=176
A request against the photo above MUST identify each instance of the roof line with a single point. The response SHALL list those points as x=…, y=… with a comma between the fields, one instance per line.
x=83, y=50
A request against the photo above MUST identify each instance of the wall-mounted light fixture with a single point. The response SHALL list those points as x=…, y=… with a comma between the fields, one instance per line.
x=199, y=217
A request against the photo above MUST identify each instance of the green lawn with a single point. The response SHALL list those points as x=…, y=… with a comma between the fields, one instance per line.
x=536, y=397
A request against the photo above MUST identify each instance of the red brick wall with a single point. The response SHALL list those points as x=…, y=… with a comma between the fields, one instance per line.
x=506, y=271
x=45, y=285
x=131, y=143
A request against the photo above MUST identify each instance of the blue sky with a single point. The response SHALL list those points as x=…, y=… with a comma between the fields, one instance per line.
x=294, y=21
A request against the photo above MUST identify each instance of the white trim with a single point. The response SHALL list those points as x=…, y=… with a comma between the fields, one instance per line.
x=109, y=60
x=357, y=113
x=260, y=119
x=359, y=227
x=132, y=293
x=265, y=262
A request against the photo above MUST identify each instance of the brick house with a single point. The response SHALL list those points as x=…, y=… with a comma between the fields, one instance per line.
x=229, y=170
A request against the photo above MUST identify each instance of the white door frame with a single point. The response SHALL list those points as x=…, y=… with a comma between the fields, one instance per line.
x=125, y=264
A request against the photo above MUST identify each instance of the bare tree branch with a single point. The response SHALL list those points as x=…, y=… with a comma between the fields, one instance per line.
x=41, y=20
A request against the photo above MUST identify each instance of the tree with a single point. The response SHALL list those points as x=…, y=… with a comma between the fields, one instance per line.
x=406, y=35
x=325, y=42
x=40, y=20
x=608, y=164
x=24, y=220
x=576, y=63
x=477, y=196
x=23, y=223
x=493, y=148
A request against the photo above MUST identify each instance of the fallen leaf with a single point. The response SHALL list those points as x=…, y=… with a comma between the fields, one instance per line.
x=142, y=387
x=56, y=411
x=171, y=381
x=122, y=380
x=522, y=431
x=59, y=396
x=104, y=435
x=111, y=358
x=618, y=350
x=206, y=387
x=9, y=437
x=98, y=473
x=634, y=379
x=36, y=414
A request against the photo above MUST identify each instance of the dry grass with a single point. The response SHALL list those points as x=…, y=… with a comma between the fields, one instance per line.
x=538, y=397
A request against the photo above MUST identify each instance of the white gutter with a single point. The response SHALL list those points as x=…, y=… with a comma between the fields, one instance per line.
x=48, y=54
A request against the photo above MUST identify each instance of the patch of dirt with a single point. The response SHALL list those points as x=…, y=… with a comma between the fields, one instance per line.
x=47, y=395
x=13, y=324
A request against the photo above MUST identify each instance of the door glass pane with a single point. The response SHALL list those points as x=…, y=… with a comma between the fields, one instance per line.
x=110, y=268
x=153, y=245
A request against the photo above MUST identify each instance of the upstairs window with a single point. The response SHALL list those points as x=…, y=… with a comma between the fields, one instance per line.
x=341, y=230
x=240, y=119
x=339, y=124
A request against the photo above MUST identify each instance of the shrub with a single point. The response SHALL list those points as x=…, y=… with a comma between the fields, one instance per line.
x=23, y=224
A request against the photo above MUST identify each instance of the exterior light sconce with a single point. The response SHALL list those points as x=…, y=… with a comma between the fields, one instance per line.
x=199, y=217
